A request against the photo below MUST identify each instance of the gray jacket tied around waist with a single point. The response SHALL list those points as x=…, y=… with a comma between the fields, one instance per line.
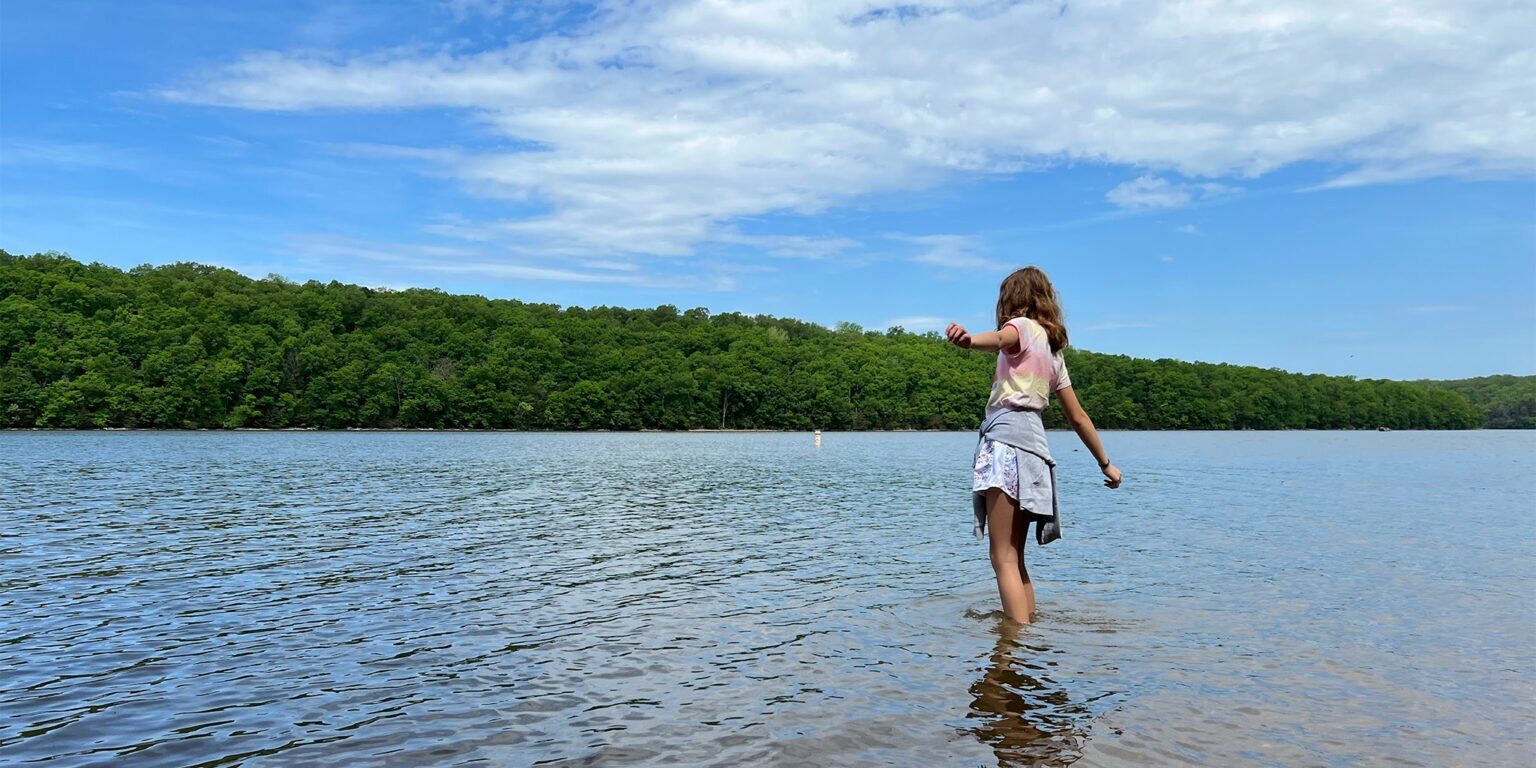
x=1024, y=431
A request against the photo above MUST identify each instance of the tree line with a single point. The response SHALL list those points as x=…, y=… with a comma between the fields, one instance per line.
x=1507, y=402
x=193, y=346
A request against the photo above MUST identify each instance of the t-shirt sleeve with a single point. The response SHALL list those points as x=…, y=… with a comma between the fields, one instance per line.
x=1022, y=326
x=1059, y=377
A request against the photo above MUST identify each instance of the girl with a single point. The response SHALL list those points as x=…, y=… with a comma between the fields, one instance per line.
x=1014, y=479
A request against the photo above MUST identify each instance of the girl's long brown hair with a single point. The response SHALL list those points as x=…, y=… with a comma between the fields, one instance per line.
x=1028, y=293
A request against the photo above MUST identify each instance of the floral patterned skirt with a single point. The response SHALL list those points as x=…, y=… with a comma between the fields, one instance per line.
x=1025, y=477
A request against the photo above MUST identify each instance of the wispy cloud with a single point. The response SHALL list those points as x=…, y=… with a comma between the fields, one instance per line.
x=426, y=258
x=1114, y=326
x=791, y=246
x=652, y=128
x=917, y=323
x=1151, y=192
x=225, y=146
x=1148, y=192
x=465, y=9
x=955, y=251
x=1189, y=229
x=542, y=12
x=68, y=155
x=444, y=155
x=1434, y=309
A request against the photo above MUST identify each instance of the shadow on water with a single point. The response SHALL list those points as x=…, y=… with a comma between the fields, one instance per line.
x=1017, y=709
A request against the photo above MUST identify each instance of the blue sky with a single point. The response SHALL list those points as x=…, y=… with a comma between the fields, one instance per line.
x=1319, y=187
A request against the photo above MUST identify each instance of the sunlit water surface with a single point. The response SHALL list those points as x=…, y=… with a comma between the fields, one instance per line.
x=277, y=599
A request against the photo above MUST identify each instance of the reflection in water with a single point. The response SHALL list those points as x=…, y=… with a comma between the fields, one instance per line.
x=1020, y=712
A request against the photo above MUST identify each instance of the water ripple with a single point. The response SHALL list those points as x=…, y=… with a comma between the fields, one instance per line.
x=277, y=599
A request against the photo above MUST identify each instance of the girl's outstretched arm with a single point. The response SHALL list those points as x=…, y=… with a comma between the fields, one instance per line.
x=988, y=341
x=1083, y=426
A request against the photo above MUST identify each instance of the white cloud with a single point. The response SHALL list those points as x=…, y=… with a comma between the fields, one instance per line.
x=1149, y=192
x=1188, y=229
x=956, y=251
x=1152, y=192
x=655, y=126
x=791, y=246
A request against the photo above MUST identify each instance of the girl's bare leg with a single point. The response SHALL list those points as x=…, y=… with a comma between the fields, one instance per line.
x=1007, y=529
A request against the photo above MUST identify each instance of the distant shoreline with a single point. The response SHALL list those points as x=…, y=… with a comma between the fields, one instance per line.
x=185, y=344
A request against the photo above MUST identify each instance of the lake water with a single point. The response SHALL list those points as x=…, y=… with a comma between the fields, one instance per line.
x=297, y=599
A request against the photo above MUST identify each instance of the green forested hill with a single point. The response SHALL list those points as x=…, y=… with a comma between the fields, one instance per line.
x=188, y=345
x=1507, y=402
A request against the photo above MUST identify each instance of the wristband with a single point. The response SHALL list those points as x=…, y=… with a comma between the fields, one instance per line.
x=1105, y=464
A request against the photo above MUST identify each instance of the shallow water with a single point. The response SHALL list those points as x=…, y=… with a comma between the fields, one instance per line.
x=1303, y=598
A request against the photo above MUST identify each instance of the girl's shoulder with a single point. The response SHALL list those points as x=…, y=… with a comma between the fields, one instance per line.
x=1027, y=325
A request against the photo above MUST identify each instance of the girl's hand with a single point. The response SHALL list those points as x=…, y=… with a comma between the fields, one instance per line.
x=958, y=336
x=1112, y=476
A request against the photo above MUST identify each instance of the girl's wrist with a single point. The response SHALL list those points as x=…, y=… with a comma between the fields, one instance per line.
x=1104, y=464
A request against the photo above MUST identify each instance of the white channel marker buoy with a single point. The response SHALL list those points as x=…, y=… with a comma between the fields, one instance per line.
x=818, y=438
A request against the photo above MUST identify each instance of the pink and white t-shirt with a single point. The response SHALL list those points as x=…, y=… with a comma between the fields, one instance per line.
x=1026, y=377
